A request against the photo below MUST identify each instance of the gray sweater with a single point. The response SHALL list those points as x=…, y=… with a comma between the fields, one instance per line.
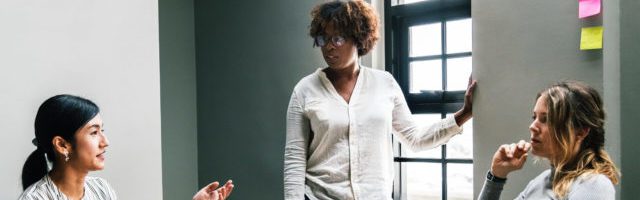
x=586, y=187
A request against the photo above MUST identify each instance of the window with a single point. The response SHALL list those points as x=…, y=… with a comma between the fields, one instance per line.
x=428, y=50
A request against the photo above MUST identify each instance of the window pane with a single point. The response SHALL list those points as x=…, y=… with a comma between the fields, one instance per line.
x=424, y=181
x=425, y=40
x=402, y=2
x=459, y=181
x=458, y=72
x=461, y=146
x=424, y=120
x=459, y=36
x=425, y=75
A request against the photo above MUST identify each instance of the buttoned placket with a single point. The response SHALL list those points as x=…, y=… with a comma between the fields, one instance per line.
x=353, y=137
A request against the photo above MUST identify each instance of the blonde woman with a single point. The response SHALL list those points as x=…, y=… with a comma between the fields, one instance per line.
x=567, y=130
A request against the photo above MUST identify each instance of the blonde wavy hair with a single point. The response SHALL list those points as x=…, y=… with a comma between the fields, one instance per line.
x=572, y=107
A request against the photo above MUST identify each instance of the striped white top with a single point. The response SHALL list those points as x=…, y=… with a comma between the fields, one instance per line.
x=94, y=189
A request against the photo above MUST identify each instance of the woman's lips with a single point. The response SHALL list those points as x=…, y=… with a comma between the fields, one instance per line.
x=535, y=141
x=101, y=156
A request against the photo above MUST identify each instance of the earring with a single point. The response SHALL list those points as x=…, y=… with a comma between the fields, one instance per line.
x=66, y=157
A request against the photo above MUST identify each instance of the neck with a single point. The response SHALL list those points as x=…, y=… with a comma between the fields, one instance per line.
x=69, y=181
x=349, y=72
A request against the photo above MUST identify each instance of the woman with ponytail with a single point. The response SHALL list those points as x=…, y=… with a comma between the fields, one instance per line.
x=567, y=130
x=70, y=136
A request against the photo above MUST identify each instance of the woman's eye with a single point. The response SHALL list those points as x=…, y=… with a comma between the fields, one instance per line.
x=543, y=119
x=94, y=133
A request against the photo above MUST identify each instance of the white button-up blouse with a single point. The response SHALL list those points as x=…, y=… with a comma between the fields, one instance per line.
x=340, y=150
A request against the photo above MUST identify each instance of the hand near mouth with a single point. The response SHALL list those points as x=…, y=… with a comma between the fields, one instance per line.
x=509, y=157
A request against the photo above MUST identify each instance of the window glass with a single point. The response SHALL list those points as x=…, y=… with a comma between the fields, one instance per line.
x=425, y=75
x=424, y=181
x=461, y=146
x=403, y=2
x=459, y=36
x=459, y=181
x=425, y=40
x=458, y=72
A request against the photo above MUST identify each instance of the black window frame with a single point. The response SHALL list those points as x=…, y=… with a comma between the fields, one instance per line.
x=398, y=19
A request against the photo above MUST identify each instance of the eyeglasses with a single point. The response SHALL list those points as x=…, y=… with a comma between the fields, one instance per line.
x=321, y=40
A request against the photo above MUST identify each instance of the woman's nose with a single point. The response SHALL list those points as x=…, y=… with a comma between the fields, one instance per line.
x=532, y=127
x=329, y=45
x=105, y=141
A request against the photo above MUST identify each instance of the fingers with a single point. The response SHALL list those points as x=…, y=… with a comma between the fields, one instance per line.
x=225, y=190
x=229, y=187
x=522, y=147
x=502, y=153
x=468, y=95
x=216, y=195
x=472, y=85
x=523, y=159
x=514, y=149
x=211, y=187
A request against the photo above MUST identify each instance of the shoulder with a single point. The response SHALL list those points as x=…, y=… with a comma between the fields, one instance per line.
x=595, y=181
x=378, y=74
x=593, y=186
x=37, y=190
x=541, y=181
x=310, y=81
x=381, y=80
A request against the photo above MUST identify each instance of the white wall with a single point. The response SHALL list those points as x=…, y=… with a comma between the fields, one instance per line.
x=106, y=51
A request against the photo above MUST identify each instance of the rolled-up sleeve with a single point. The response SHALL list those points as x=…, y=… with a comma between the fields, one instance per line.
x=419, y=136
x=295, y=152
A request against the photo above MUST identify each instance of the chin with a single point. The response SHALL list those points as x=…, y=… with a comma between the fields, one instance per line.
x=536, y=152
x=97, y=167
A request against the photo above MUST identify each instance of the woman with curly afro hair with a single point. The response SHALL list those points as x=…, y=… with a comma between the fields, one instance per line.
x=341, y=118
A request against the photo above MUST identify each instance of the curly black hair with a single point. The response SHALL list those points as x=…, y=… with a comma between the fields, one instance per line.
x=355, y=19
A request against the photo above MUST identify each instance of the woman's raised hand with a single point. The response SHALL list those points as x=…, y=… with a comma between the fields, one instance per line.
x=465, y=113
x=212, y=192
x=509, y=157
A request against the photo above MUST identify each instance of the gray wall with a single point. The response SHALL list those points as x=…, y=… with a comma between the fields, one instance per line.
x=519, y=48
x=250, y=54
x=178, y=99
x=106, y=51
x=611, y=79
x=629, y=96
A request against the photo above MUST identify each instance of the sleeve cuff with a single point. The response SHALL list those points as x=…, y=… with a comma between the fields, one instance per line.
x=451, y=126
x=495, y=179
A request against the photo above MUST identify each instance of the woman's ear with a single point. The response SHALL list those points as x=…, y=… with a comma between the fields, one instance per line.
x=582, y=133
x=61, y=146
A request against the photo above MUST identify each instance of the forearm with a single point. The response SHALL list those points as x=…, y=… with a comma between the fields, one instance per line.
x=420, y=137
x=491, y=189
x=294, y=178
x=462, y=116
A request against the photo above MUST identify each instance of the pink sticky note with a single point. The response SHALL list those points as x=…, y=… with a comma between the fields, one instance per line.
x=588, y=8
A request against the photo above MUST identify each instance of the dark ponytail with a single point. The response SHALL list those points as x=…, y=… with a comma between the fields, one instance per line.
x=34, y=168
x=60, y=115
